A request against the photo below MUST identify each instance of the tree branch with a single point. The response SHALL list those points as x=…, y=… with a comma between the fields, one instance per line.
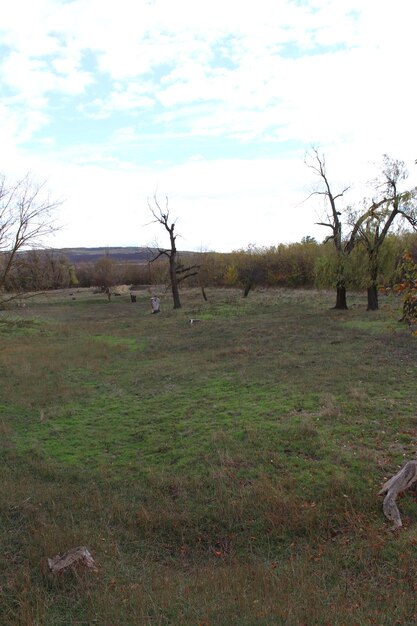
x=181, y=270
x=181, y=278
x=166, y=253
x=324, y=224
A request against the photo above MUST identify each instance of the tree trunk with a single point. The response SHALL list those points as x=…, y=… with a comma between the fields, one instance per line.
x=247, y=289
x=373, y=281
x=372, y=298
x=203, y=292
x=341, y=303
x=174, y=281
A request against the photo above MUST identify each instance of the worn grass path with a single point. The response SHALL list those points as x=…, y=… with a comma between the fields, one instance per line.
x=223, y=472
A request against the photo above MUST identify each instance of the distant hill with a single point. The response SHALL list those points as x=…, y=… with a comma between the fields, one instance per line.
x=119, y=254
x=91, y=255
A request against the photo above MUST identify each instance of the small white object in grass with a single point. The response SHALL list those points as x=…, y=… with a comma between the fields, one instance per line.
x=75, y=557
x=155, y=304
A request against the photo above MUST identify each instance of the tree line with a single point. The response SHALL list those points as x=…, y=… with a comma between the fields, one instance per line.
x=359, y=251
x=368, y=225
x=307, y=264
x=351, y=228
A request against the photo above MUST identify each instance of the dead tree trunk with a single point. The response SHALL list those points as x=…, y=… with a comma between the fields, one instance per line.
x=173, y=276
x=333, y=221
x=75, y=557
x=403, y=480
x=177, y=273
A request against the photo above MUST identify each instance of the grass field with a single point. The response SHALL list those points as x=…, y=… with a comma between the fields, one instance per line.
x=221, y=473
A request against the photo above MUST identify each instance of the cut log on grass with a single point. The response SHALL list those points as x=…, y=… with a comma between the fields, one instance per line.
x=403, y=480
x=74, y=558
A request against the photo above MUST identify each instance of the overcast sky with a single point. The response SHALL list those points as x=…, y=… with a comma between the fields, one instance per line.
x=211, y=103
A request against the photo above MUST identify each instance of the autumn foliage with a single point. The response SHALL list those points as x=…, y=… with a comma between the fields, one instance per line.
x=407, y=287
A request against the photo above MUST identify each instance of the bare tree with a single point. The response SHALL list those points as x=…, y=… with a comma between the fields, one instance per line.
x=177, y=271
x=26, y=218
x=391, y=204
x=334, y=221
x=317, y=163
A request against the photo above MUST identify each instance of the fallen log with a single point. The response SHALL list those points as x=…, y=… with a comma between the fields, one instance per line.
x=75, y=557
x=403, y=480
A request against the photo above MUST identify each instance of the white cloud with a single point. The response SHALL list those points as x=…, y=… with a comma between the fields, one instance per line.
x=265, y=75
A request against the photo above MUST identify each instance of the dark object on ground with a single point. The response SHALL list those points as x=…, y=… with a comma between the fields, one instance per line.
x=132, y=298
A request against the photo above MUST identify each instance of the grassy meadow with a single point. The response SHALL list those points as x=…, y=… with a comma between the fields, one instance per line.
x=221, y=473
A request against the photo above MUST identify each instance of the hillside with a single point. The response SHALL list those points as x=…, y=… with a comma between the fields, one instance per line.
x=91, y=255
x=128, y=254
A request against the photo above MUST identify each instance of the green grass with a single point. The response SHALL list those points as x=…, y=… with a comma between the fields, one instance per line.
x=223, y=472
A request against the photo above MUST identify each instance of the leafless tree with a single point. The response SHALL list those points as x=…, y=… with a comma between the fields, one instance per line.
x=334, y=221
x=177, y=271
x=26, y=218
x=390, y=204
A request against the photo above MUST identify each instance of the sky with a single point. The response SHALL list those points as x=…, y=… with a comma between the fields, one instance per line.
x=212, y=105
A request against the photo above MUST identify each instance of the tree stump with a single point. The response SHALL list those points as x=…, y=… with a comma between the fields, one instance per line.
x=403, y=480
x=76, y=557
x=155, y=304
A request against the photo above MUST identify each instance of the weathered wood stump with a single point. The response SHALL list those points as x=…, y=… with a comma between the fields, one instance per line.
x=403, y=480
x=76, y=557
x=155, y=304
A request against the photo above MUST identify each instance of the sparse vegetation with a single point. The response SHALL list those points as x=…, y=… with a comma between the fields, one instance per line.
x=221, y=473
x=26, y=218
